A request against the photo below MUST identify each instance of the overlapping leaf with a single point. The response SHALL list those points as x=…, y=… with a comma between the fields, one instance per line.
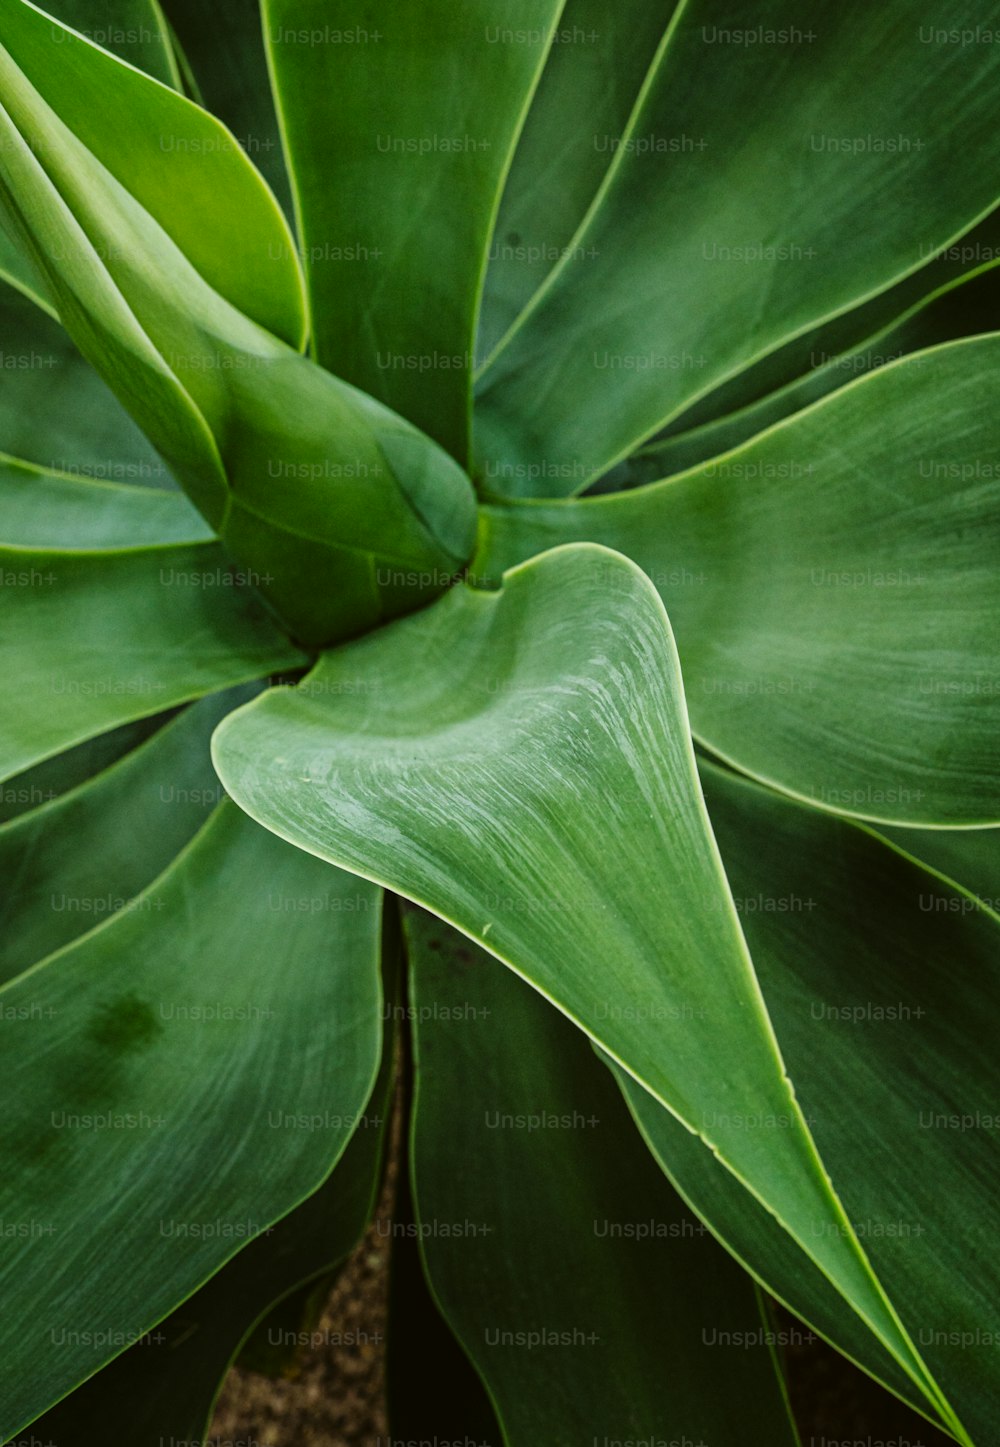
x=834, y=589
x=345, y=513
x=132, y=29
x=166, y=1386
x=778, y=169
x=425, y=104
x=879, y=977
x=462, y=758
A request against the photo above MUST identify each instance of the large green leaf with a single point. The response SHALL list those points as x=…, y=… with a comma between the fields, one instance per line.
x=779, y=168
x=68, y=511
x=346, y=513
x=96, y=639
x=834, y=589
x=880, y=978
x=72, y=863
x=585, y=1294
x=56, y=411
x=160, y=146
x=594, y=70
x=184, y=1079
x=132, y=29
x=400, y=123
x=462, y=758
x=164, y=1390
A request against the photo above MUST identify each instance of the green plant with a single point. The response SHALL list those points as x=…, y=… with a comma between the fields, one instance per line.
x=731, y=280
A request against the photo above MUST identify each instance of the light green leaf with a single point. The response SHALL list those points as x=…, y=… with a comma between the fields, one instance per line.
x=532, y=1192
x=186, y=1076
x=96, y=639
x=593, y=73
x=134, y=30
x=69, y=511
x=461, y=758
x=400, y=123
x=72, y=863
x=834, y=589
x=159, y=146
x=879, y=977
x=779, y=168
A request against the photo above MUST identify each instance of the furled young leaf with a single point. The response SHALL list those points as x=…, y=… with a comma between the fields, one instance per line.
x=60, y=510
x=96, y=639
x=81, y=858
x=160, y=146
x=134, y=30
x=163, y=1390
x=344, y=512
x=834, y=589
x=461, y=758
x=583, y=1292
x=779, y=168
x=879, y=978
x=187, y=1073
x=400, y=124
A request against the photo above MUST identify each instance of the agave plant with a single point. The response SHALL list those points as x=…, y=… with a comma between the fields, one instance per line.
x=383, y=395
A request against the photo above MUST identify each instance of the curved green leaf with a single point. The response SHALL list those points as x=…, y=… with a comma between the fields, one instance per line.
x=229, y=226
x=400, y=124
x=834, y=589
x=461, y=757
x=72, y=863
x=880, y=978
x=71, y=512
x=777, y=170
x=533, y=1192
x=96, y=639
x=134, y=30
x=187, y=1074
